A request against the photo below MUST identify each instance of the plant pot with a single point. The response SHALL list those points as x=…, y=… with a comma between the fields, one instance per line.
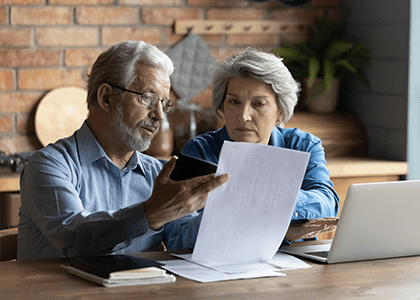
x=318, y=100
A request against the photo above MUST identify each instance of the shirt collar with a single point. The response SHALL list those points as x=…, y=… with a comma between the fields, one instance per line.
x=224, y=135
x=90, y=150
x=276, y=138
x=88, y=146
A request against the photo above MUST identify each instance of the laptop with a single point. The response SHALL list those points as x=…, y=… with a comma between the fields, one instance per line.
x=378, y=220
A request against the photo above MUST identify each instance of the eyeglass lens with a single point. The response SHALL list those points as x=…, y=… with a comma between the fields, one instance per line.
x=151, y=99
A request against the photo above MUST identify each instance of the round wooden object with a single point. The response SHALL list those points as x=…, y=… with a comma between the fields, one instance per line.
x=60, y=113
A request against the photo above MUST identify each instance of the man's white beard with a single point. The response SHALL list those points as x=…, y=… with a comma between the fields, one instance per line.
x=133, y=137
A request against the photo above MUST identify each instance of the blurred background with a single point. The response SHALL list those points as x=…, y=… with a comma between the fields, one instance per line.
x=51, y=44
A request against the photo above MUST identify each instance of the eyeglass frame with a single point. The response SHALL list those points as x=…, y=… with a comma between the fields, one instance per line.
x=165, y=107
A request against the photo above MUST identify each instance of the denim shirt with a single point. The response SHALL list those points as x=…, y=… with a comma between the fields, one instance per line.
x=76, y=202
x=317, y=198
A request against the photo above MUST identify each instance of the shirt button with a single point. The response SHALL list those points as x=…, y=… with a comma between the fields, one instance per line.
x=296, y=214
x=115, y=179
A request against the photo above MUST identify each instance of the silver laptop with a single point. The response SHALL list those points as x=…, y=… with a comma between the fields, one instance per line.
x=378, y=220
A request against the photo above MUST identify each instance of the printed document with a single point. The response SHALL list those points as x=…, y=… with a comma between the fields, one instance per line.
x=246, y=219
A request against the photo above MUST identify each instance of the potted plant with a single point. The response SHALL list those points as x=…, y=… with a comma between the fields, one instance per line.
x=323, y=60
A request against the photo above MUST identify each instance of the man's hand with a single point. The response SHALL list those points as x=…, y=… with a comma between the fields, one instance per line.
x=311, y=228
x=172, y=200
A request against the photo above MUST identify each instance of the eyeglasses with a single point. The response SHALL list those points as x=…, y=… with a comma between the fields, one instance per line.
x=149, y=99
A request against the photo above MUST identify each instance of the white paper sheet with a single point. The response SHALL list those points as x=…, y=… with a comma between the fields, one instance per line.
x=281, y=261
x=196, y=272
x=245, y=220
x=273, y=268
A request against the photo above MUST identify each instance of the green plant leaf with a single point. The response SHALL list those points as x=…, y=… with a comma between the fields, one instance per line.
x=337, y=49
x=313, y=69
x=329, y=72
x=327, y=54
x=344, y=63
x=291, y=54
x=304, y=48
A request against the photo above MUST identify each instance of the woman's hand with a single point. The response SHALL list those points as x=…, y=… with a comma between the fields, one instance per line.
x=311, y=228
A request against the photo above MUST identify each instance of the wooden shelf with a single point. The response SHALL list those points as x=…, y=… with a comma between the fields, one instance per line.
x=364, y=167
x=342, y=134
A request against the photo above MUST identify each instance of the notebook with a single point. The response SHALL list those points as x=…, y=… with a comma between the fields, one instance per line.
x=118, y=270
x=378, y=220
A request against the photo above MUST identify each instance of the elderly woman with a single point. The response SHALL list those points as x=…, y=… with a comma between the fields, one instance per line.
x=255, y=92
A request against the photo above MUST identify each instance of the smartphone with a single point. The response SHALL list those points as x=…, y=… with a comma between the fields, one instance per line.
x=189, y=167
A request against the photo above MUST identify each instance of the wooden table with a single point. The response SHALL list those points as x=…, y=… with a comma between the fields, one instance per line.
x=9, y=181
x=397, y=278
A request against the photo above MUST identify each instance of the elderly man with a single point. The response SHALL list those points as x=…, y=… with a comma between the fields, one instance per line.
x=95, y=192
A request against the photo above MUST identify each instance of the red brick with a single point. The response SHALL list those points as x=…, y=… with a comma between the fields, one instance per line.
x=83, y=2
x=267, y=5
x=235, y=14
x=219, y=54
x=18, y=101
x=25, y=2
x=152, y=2
x=70, y=36
x=253, y=39
x=6, y=124
x=29, y=58
x=6, y=79
x=106, y=15
x=25, y=123
x=3, y=16
x=40, y=15
x=111, y=36
x=171, y=37
x=15, y=37
x=209, y=39
x=219, y=3
x=45, y=79
x=167, y=16
x=81, y=57
x=297, y=15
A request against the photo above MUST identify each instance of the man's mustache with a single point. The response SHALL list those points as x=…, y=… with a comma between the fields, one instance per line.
x=150, y=123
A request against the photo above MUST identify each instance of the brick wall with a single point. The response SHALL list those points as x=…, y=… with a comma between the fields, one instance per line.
x=46, y=44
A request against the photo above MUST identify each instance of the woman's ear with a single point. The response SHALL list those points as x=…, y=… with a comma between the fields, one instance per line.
x=104, y=96
x=279, y=118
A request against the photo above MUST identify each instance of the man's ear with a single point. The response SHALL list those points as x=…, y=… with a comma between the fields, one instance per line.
x=104, y=96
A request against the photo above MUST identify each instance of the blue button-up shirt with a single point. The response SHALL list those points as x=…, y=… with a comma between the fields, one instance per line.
x=317, y=198
x=76, y=202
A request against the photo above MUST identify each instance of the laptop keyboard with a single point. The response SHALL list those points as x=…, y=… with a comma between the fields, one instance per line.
x=319, y=253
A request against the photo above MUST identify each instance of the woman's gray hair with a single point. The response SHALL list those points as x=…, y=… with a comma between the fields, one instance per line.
x=262, y=66
x=117, y=65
